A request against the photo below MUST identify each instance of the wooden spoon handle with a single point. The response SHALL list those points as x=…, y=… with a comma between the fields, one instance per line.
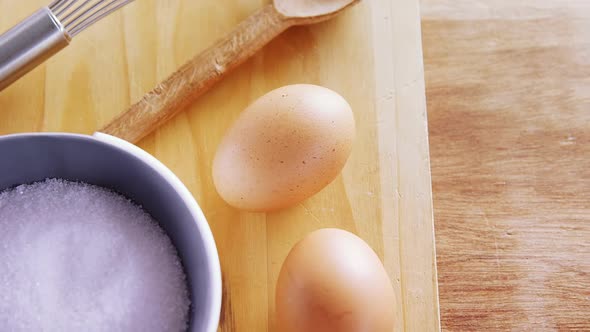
x=198, y=75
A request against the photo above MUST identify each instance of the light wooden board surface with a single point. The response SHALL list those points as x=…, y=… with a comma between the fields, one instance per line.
x=371, y=55
x=508, y=90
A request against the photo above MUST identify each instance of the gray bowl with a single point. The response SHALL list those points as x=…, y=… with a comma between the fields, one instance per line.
x=110, y=162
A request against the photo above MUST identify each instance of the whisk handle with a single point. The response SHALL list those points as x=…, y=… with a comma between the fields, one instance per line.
x=28, y=44
x=198, y=75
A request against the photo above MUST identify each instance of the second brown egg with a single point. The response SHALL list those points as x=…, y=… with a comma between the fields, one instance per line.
x=332, y=281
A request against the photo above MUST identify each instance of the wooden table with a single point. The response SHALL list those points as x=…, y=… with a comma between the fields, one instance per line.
x=371, y=55
x=508, y=90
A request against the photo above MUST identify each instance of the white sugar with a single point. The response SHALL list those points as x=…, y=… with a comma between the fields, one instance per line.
x=76, y=257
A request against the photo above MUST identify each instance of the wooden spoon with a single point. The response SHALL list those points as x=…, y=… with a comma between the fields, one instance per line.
x=199, y=74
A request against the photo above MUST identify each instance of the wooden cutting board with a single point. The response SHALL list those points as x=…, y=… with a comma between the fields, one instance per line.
x=371, y=55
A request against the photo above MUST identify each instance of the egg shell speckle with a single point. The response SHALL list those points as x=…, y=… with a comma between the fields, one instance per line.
x=285, y=147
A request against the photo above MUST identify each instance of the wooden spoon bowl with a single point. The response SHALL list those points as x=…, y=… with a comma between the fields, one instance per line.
x=318, y=10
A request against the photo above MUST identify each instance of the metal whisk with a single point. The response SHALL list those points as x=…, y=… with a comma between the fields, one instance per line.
x=47, y=31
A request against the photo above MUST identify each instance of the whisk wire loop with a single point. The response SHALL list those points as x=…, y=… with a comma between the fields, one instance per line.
x=77, y=15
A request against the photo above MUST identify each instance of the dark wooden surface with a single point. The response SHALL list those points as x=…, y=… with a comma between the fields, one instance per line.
x=508, y=90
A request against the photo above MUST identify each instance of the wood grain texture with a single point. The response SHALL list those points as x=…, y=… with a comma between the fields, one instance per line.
x=371, y=55
x=197, y=76
x=508, y=87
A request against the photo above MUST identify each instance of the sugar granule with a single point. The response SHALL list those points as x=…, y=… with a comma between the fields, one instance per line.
x=77, y=257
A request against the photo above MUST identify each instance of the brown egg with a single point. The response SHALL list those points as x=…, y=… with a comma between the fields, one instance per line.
x=285, y=147
x=332, y=281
